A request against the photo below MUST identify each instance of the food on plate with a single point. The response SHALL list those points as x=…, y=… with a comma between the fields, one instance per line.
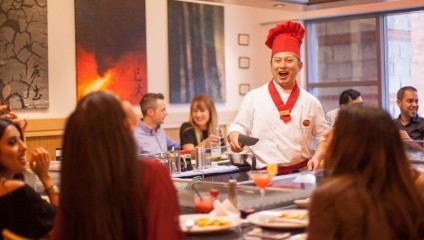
x=294, y=215
x=207, y=221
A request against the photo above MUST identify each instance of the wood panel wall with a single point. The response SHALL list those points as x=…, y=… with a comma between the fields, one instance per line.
x=48, y=133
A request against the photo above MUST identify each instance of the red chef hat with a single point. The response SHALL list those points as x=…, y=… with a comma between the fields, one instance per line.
x=286, y=37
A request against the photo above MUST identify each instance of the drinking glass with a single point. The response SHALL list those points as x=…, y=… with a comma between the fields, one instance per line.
x=204, y=204
x=216, y=147
x=262, y=179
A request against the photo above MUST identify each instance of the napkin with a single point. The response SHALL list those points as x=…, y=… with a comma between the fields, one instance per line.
x=225, y=208
x=305, y=177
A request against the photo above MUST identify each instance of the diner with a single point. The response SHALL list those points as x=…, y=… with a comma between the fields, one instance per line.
x=368, y=182
x=202, y=128
x=22, y=210
x=105, y=158
x=205, y=120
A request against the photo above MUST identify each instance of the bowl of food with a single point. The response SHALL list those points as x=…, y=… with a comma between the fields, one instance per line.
x=239, y=159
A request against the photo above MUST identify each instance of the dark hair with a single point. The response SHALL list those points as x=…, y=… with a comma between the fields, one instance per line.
x=149, y=101
x=401, y=92
x=348, y=95
x=100, y=183
x=4, y=123
x=203, y=102
x=366, y=145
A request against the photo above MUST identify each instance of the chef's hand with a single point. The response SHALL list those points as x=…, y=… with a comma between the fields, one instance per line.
x=314, y=164
x=233, y=140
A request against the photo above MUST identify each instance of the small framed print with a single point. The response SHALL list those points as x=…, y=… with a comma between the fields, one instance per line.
x=244, y=88
x=244, y=62
x=243, y=39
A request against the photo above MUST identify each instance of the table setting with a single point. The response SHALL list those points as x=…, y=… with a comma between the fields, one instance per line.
x=222, y=220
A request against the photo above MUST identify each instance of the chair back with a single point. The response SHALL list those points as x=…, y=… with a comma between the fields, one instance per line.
x=8, y=235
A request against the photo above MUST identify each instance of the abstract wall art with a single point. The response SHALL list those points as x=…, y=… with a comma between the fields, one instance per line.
x=23, y=54
x=111, y=47
x=196, y=51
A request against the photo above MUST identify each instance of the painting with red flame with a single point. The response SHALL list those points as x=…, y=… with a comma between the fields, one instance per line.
x=111, y=48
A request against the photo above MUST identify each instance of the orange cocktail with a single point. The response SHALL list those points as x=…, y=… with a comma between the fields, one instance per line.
x=204, y=205
x=262, y=180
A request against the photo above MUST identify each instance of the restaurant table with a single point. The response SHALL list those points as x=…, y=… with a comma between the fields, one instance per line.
x=242, y=231
x=219, y=172
x=280, y=195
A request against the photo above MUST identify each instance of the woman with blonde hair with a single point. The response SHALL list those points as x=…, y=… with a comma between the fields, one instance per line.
x=201, y=128
x=368, y=191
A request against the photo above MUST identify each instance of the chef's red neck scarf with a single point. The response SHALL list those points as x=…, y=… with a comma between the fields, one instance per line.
x=284, y=109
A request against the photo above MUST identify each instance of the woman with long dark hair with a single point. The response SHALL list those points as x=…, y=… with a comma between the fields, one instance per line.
x=22, y=210
x=106, y=192
x=369, y=190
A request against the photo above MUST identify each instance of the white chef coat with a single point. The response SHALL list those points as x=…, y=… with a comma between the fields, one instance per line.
x=331, y=116
x=283, y=143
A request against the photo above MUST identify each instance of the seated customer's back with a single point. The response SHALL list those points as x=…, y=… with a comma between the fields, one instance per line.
x=368, y=191
x=106, y=192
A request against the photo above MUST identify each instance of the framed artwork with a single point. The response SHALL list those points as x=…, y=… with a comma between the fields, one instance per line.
x=243, y=39
x=24, y=80
x=196, y=51
x=111, y=48
x=244, y=88
x=244, y=62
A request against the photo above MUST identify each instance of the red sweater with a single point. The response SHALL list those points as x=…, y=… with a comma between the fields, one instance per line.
x=161, y=203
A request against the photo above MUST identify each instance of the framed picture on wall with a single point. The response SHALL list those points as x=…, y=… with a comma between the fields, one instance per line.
x=24, y=58
x=243, y=39
x=244, y=88
x=109, y=56
x=244, y=62
x=195, y=40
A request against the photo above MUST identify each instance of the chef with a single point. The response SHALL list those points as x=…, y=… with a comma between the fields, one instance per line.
x=284, y=116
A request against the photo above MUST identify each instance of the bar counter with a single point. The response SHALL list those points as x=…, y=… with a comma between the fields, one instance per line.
x=280, y=195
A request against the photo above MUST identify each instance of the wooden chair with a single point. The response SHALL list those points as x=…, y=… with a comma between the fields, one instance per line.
x=8, y=235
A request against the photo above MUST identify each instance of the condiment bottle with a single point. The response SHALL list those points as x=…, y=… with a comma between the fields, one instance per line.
x=232, y=192
x=213, y=192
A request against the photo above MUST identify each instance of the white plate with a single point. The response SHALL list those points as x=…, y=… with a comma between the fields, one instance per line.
x=271, y=219
x=303, y=203
x=233, y=222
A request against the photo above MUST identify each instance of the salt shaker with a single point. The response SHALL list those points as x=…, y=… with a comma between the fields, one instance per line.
x=232, y=192
x=200, y=158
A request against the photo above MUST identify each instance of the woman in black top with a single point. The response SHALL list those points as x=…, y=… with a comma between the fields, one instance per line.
x=22, y=210
x=201, y=130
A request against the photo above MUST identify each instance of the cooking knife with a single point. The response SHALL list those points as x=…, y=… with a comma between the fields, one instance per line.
x=246, y=140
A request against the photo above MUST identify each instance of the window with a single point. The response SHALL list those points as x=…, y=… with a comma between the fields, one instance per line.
x=345, y=53
x=342, y=54
x=404, y=58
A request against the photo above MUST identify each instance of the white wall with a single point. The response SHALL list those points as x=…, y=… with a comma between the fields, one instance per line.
x=62, y=62
x=238, y=19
